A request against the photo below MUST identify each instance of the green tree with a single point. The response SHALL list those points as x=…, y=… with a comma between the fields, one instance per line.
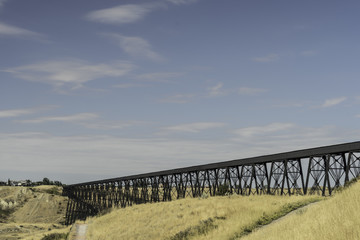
x=28, y=182
x=58, y=183
x=46, y=181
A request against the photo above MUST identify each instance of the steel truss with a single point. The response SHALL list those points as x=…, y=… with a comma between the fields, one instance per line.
x=309, y=171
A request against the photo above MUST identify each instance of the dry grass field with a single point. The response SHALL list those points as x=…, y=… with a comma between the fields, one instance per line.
x=31, y=212
x=337, y=218
x=236, y=217
x=227, y=217
x=39, y=211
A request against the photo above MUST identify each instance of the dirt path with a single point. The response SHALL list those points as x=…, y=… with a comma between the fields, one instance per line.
x=297, y=211
x=78, y=231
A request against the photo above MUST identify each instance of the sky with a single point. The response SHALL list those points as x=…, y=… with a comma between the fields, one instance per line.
x=100, y=89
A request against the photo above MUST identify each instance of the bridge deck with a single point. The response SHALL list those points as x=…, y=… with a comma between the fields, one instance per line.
x=298, y=154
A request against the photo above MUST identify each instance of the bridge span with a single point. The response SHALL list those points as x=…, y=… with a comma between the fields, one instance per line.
x=309, y=171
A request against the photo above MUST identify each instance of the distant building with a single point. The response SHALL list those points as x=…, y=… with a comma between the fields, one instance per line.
x=18, y=183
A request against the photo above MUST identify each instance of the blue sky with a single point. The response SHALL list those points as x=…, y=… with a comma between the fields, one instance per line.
x=99, y=89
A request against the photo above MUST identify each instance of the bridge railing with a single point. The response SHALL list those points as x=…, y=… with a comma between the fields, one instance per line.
x=309, y=171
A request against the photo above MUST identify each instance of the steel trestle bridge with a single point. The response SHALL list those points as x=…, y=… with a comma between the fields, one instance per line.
x=310, y=171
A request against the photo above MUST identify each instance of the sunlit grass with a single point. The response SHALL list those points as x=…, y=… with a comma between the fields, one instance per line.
x=335, y=218
x=236, y=217
x=212, y=218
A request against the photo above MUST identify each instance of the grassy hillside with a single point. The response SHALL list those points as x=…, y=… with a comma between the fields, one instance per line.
x=31, y=213
x=336, y=218
x=27, y=213
x=212, y=218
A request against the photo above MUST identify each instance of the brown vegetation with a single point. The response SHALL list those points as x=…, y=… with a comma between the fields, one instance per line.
x=226, y=217
x=31, y=213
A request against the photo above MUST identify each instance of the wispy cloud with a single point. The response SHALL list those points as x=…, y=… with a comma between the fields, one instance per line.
x=267, y=58
x=219, y=90
x=274, y=138
x=2, y=3
x=357, y=99
x=135, y=46
x=181, y=2
x=130, y=13
x=80, y=117
x=121, y=14
x=251, y=91
x=10, y=113
x=87, y=120
x=104, y=154
x=290, y=104
x=259, y=130
x=72, y=73
x=178, y=98
x=129, y=85
x=159, y=76
x=16, y=113
x=308, y=53
x=332, y=102
x=216, y=90
x=110, y=125
x=77, y=154
x=9, y=30
x=193, y=127
x=22, y=112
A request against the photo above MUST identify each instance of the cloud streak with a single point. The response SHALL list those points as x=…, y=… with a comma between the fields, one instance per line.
x=102, y=154
x=333, y=102
x=308, y=53
x=121, y=14
x=87, y=120
x=260, y=130
x=251, y=91
x=109, y=125
x=72, y=73
x=280, y=137
x=11, y=113
x=9, y=30
x=219, y=90
x=267, y=58
x=158, y=76
x=178, y=98
x=129, y=85
x=70, y=118
x=106, y=156
x=182, y=2
x=2, y=3
x=194, y=127
x=216, y=90
x=135, y=46
x=12, y=31
x=130, y=13
x=16, y=113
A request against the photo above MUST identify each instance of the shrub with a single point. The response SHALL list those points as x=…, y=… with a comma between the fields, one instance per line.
x=5, y=213
x=203, y=227
x=223, y=190
x=54, y=190
x=55, y=236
